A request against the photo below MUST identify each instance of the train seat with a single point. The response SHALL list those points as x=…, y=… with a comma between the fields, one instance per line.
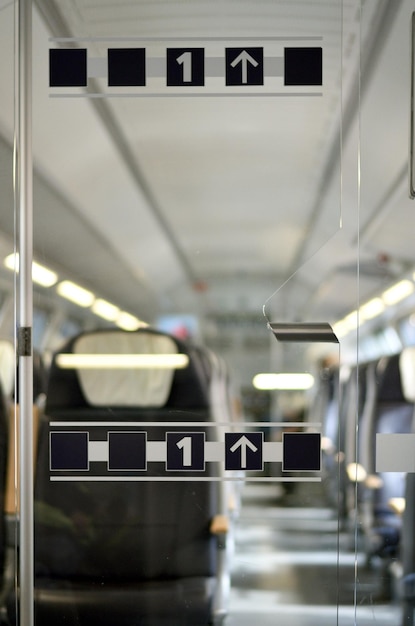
x=329, y=388
x=407, y=547
x=391, y=412
x=11, y=377
x=354, y=398
x=7, y=384
x=3, y=470
x=139, y=547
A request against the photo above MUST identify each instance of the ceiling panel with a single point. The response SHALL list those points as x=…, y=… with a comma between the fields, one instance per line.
x=237, y=194
x=233, y=179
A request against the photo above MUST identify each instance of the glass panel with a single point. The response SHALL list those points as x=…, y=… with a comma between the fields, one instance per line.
x=196, y=194
x=189, y=143
x=8, y=494
x=190, y=160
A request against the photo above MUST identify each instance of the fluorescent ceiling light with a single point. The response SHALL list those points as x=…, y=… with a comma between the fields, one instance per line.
x=340, y=329
x=126, y=321
x=398, y=292
x=122, y=361
x=374, y=307
x=75, y=293
x=347, y=324
x=12, y=262
x=294, y=381
x=105, y=309
x=40, y=274
x=371, y=309
x=43, y=276
x=351, y=321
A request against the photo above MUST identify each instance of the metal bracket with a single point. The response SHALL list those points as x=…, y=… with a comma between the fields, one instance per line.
x=412, y=121
x=24, y=341
x=313, y=332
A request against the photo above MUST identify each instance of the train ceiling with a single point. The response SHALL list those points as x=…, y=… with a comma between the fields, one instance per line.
x=212, y=202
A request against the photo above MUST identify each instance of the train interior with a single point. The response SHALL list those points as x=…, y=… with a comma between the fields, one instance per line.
x=207, y=313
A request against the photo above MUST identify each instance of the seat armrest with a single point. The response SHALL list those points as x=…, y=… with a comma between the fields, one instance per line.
x=219, y=525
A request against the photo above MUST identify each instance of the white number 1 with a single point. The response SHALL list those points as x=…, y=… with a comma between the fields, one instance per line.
x=185, y=444
x=185, y=60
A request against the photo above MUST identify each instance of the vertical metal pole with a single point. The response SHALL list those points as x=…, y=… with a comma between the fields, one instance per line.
x=24, y=333
x=412, y=111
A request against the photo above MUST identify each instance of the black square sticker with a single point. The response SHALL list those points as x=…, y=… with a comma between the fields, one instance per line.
x=127, y=451
x=69, y=451
x=126, y=67
x=301, y=452
x=303, y=66
x=68, y=67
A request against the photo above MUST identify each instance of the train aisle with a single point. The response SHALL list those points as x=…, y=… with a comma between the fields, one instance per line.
x=285, y=566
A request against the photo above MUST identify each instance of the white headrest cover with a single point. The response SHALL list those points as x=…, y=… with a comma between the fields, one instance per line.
x=125, y=387
x=7, y=367
x=407, y=370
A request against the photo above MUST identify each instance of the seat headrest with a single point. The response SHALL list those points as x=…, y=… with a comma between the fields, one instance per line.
x=115, y=368
x=388, y=377
x=7, y=366
x=407, y=368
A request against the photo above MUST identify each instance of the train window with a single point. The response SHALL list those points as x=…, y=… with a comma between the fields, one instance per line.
x=182, y=326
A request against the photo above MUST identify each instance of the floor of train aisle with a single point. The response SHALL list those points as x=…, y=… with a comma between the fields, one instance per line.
x=285, y=567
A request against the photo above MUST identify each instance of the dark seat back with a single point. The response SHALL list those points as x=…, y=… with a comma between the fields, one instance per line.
x=4, y=418
x=390, y=412
x=393, y=415
x=141, y=527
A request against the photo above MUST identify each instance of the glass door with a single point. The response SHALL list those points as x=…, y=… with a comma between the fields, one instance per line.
x=204, y=446
x=201, y=143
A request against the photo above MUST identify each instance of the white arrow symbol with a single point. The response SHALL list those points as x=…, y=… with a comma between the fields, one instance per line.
x=244, y=58
x=243, y=443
